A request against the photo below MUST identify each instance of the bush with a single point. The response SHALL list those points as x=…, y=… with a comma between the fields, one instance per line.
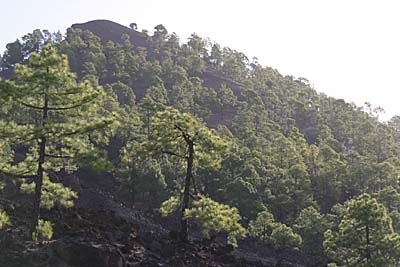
x=283, y=236
x=209, y=215
x=274, y=233
x=4, y=219
x=44, y=230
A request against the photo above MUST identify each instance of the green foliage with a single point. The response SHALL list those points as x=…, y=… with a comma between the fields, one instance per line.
x=183, y=137
x=63, y=117
x=282, y=236
x=365, y=236
x=274, y=233
x=123, y=94
x=52, y=193
x=169, y=129
x=237, y=181
x=290, y=148
x=209, y=215
x=94, y=159
x=390, y=198
x=213, y=216
x=262, y=226
x=71, y=107
x=4, y=219
x=44, y=230
x=311, y=225
x=6, y=158
x=143, y=174
x=170, y=205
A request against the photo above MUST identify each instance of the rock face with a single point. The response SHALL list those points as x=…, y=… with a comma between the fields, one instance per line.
x=80, y=253
x=112, y=31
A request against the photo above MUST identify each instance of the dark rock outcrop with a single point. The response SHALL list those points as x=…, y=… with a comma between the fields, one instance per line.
x=112, y=31
x=77, y=252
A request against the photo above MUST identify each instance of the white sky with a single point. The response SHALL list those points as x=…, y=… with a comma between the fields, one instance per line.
x=346, y=48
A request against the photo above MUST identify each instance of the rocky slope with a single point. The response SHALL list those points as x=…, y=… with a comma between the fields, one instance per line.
x=103, y=232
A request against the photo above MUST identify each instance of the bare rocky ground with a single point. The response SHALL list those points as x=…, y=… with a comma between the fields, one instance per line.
x=100, y=231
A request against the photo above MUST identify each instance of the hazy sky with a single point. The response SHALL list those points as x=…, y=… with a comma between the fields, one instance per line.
x=346, y=48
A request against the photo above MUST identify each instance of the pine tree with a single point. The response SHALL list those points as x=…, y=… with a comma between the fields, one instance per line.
x=311, y=225
x=182, y=136
x=54, y=116
x=365, y=236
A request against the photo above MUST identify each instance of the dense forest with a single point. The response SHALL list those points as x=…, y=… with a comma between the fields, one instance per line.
x=211, y=142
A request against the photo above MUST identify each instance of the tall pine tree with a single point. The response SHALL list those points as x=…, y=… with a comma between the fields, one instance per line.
x=52, y=115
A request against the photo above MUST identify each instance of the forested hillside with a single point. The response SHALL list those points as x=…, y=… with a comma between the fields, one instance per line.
x=212, y=140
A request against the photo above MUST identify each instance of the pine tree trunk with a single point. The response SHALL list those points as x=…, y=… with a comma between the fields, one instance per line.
x=368, y=252
x=39, y=174
x=186, y=192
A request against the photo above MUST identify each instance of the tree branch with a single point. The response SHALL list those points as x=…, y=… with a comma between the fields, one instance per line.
x=57, y=156
x=29, y=106
x=194, y=197
x=173, y=154
x=184, y=134
x=16, y=175
x=66, y=108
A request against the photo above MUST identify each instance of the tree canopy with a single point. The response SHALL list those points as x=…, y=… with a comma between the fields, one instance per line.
x=165, y=120
x=365, y=236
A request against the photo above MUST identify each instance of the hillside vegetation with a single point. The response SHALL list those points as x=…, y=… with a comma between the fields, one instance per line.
x=202, y=132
